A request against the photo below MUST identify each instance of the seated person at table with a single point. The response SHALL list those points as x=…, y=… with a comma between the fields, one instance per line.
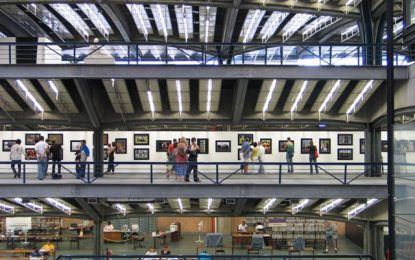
x=243, y=227
x=259, y=228
x=47, y=249
x=108, y=227
x=35, y=253
x=165, y=250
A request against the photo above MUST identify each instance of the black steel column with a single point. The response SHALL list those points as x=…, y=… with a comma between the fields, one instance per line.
x=98, y=151
x=98, y=238
x=369, y=154
x=366, y=32
x=390, y=89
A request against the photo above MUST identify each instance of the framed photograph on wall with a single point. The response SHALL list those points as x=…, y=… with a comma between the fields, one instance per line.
x=384, y=146
x=267, y=143
x=161, y=145
x=105, y=154
x=57, y=137
x=344, y=139
x=141, y=154
x=324, y=145
x=305, y=142
x=105, y=139
x=362, y=147
x=242, y=137
x=121, y=145
x=30, y=138
x=344, y=154
x=141, y=139
x=7, y=145
x=281, y=145
x=223, y=146
x=30, y=153
x=75, y=145
x=203, y=144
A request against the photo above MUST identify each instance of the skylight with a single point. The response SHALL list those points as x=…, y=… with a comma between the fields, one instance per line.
x=251, y=23
x=184, y=17
x=71, y=16
x=294, y=24
x=179, y=95
x=48, y=18
x=162, y=19
x=209, y=95
x=97, y=19
x=268, y=205
x=271, y=25
x=319, y=24
x=360, y=208
x=121, y=209
x=349, y=33
x=207, y=20
x=141, y=20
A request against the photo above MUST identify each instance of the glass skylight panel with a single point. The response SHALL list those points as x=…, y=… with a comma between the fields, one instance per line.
x=350, y=5
x=207, y=20
x=141, y=20
x=2, y=35
x=319, y=24
x=294, y=24
x=184, y=17
x=71, y=16
x=162, y=19
x=97, y=19
x=250, y=25
x=271, y=25
x=49, y=19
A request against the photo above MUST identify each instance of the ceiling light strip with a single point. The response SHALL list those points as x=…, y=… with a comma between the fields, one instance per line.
x=297, y=208
x=359, y=98
x=54, y=88
x=69, y=14
x=179, y=95
x=29, y=96
x=136, y=11
x=209, y=95
x=269, y=96
x=150, y=101
x=325, y=208
x=269, y=204
x=207, y=21
x=163, y=23
x=251, y=24
x=180, y=205
x=186, y=34
x=210, y=200
x=121, y=209
x=298, y=98
x=360, y=208
x=59, y=205
x=6, y=208
x=329, y=97
x=96, y=20
x=150, y=207
x=30, y=205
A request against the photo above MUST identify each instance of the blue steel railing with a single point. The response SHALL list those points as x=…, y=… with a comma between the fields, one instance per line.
x=144, y=53
x=214, y=172
x=219, y=257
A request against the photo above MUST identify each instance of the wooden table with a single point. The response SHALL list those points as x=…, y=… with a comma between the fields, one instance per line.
x=112, y=236
x=241, y=239
x=19, y=251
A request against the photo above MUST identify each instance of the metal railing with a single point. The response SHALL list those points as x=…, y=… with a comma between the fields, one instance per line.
x=210, y=172
x=200, y=53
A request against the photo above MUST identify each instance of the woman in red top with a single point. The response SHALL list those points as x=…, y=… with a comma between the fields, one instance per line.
x=181, y=159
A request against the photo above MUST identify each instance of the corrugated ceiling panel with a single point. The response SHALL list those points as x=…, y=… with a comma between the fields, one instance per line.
x=7, y=102
x=64, y=101
x=185, y=91
x=33, y=91
x=119, y=96
x=326, y=91
x=263, y=94
x=357, y=90
x=294, y=93
x=155, y=92
x=215, y=95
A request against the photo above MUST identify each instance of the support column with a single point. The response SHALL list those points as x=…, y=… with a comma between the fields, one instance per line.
x=366, y=32
x=368, y=144
x=377, y=152
x=98, y=152
x=99, y=238
x=367, y=239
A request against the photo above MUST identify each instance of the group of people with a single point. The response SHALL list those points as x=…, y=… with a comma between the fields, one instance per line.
x=182, y=159
x=45, y=150
x=254, y=154
x=289, y=154
x=243, y=227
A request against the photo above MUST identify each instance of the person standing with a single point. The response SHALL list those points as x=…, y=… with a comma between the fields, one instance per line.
x=193, y=151
x=170, y=158
x=243, y=227
x=16, y=153
x=246, y=154
x=255, y=156
x=48, y=156
x=84, y=150
x=111, y=152
x=312, y=155
x=289, y=153
x=181, y=159
x=261, y=158
x=56, y=151
x=41, y=154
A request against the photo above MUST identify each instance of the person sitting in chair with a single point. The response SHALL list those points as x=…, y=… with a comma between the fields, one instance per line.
x=47, y=249
x=243, y=227
x=108, y=227
x=259, y=228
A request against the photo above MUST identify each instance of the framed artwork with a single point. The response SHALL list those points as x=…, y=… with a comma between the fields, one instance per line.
x=188, y=141
x=344, y=154
x=105, y=139
x=281, y=145
x=105, y=154
x=7, y=145
x=30, y=153
x=30, y=138
x=75, y=145
x=324, y=145
x=223, y=146
x=203, y=144
x=141, y=139
x=267, y=143
x=410, y=146
x=242, y=137
x=384, y=146
x=362, y=147
x=121, y=145
x=57, y=137
x=344, y=139
x=141, y=154
x=161, y=145
x=305, y=142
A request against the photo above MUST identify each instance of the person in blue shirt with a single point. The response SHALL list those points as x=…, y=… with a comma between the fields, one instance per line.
x=246, y=153
x=84, y=151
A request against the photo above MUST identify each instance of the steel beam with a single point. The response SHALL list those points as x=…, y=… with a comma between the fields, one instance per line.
x=240, y=205
x=116, y=19
x=83, y=90
x=88, y=209
x=197, y=72
x=238, y=106
x=194, y=191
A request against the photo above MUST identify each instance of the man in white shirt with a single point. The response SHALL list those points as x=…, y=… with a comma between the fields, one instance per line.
x=16, y=153
x=243, y=227
x=261, y=158
x=40, y=148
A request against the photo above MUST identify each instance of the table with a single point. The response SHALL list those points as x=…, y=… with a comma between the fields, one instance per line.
x=20, y=251
x=241, y=239
x=161, y=237
x=112, y=236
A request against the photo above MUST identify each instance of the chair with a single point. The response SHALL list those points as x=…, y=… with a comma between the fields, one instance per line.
x=257, y=244
x=137, y=240
x=215, y=240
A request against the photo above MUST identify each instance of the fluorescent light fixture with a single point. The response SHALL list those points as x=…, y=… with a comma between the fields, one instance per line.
x=180, y=204
x=298, y=207
x=29, y=96
x=29, y=205
x=150, y=101
x=207, y=24
x=209, y=95
x=360, y=208
x=269, y=204
x=299, y=97
x=333, y=90
x=150, y=207
x=210, y=200
x=325, y=208
x=251, y=24
x=359, y=98
x=53, y=87
x=136, y=11
x=186, y=35
x=121, y=209
x=269, y=96
x=59, y=205
x=163, y=23
x=349, y=2
x=6, y=208
x=179, y=95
